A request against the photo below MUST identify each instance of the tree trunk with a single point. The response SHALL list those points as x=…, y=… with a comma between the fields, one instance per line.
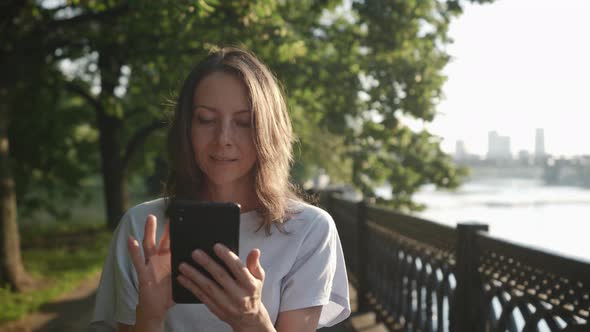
x=114, y=172
x=113, y=169
x=12, y=271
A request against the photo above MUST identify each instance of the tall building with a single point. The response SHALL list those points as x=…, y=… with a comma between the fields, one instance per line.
x=498, y=147
x=460, y=151
x=540, y=143
x=524, y=158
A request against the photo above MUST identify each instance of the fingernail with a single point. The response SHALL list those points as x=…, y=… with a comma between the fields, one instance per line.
x=198, y=253
x=133, y=241
x=219, y=246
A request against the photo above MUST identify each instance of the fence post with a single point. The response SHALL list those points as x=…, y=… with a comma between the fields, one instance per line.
x=361, y=256
x=466, y=312
x=327, y=200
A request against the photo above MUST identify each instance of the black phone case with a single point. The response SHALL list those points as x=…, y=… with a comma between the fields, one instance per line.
x=199, y=225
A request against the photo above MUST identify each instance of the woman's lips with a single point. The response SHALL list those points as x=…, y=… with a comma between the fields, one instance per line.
x=222, y=159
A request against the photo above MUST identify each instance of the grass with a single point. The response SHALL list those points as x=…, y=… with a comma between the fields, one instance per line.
x=59, y=256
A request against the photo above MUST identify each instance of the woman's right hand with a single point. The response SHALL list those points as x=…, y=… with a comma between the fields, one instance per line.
x=154, y=273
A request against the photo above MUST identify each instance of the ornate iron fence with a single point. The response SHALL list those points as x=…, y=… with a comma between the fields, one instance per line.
x=418, y=275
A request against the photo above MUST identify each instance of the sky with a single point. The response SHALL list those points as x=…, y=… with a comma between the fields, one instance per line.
x=518, y=65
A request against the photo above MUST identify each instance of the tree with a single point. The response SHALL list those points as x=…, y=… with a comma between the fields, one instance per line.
x=30, y=85
x=131, y=48
x=375, y=66
x=121, y=53
x=12, y=271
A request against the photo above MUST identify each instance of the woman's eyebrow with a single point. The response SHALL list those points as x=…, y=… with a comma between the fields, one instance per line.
x=210, y=108
x=205, y=107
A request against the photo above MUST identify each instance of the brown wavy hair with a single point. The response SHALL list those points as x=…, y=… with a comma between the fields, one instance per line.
x=273, y=136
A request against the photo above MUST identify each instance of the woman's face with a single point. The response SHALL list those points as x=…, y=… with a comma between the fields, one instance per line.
x=221, y=131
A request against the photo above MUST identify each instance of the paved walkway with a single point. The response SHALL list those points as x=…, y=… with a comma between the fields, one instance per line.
x=69, y=313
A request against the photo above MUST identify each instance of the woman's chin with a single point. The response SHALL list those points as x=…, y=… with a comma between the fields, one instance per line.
x=221, y=181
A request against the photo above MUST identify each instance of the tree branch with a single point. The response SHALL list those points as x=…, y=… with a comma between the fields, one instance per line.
x=91, y=16
x=9, y=10
x=139, y=138
x=77, y=89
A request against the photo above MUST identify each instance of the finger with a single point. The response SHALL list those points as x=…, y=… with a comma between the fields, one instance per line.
x=253, y=264
x=149, y=237
x=135, y=254
x=234, y=263
x=164, y=245
x=205, y=285
x=218, y=273
x=191, y=286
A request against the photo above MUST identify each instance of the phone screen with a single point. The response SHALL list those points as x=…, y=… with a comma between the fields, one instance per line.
x=199, y=225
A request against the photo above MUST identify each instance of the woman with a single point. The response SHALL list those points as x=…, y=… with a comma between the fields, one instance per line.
x=230, y=140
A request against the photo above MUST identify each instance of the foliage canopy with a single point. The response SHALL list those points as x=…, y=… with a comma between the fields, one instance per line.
x=355, y=73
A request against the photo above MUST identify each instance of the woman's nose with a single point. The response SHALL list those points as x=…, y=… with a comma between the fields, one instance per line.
x=225, y=133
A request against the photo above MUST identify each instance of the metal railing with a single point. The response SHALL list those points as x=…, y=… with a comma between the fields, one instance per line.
x=418, y=275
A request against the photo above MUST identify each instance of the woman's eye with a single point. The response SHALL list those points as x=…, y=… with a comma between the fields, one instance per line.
x=243, y=124
x=202, y=120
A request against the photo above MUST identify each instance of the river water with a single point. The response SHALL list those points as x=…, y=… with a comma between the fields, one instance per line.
x=551, y=218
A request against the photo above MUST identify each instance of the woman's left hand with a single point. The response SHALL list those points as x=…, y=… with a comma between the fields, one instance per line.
x=238, y=302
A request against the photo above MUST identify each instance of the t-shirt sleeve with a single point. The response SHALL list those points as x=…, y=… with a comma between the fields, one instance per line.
x=117, y=293
x=318, y=275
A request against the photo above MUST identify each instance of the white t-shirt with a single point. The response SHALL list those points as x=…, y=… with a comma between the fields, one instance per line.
x=303, y=268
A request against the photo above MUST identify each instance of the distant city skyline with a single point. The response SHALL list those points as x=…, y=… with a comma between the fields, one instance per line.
x=499, y=147
x=518, y=65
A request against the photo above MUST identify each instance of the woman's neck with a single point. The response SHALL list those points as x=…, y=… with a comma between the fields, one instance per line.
x=242, y=195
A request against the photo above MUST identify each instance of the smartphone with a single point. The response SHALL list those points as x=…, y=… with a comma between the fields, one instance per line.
x=199, y=225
